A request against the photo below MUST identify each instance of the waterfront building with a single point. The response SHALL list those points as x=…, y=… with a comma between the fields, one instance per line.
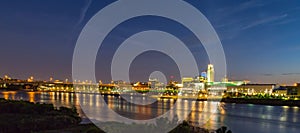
x=171, y=89
x=116, y=82
x=58, y=82
x=191, y=86
x=293, y=91
x=140, y=86
x=193, y=89
x=187, y=82
x=252, y=89
x=62, y=87
x=155, y=84
x=194, y=83
x=122, y=86
x=280, y=91
x=108, y=88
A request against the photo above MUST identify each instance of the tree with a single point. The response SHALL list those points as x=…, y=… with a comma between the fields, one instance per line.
x=223, y=129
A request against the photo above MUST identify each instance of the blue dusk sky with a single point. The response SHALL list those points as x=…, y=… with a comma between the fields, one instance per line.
x=261, y=39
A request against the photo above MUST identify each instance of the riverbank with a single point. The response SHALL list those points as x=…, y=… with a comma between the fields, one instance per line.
x=257, y=101
x=271, y=102
x=252, y=100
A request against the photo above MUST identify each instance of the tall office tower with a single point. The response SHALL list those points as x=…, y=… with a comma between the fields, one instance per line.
x=210, y=73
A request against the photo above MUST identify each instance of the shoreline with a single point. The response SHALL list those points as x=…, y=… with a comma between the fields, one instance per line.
x=270, y=102
x=256, y=101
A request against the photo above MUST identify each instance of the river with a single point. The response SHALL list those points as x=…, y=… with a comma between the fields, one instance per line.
x=240, y=118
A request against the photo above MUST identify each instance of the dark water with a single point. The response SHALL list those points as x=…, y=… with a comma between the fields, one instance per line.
x=240, y=118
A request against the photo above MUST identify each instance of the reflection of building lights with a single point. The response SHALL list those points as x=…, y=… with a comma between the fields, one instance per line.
x=91, y=100
x=286, y=107
x=5, y=95
x=31, y=96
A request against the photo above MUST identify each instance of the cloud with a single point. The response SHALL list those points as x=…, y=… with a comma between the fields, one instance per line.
x=231, y=10
x=83, y=12
x=288, y=74
x=267, y=74
x=285, y=21
x=77, y=25
x=248, y=5
x=229, y=23
x=264, y=21
x=283, y=74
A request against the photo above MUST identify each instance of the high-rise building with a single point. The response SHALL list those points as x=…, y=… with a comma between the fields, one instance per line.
x=210, y=73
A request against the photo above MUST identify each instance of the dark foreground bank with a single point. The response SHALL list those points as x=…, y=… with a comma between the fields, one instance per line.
x=184, y=127
x=23, y=116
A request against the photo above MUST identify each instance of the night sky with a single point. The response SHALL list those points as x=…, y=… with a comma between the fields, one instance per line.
x=261, y=39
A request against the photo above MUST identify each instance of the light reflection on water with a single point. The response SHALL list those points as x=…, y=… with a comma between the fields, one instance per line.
x=246, y=118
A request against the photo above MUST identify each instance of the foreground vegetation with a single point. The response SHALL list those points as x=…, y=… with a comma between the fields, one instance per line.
x=23, y=116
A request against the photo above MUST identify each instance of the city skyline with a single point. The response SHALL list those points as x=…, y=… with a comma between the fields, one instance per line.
x=260, y=39
x=199, y=66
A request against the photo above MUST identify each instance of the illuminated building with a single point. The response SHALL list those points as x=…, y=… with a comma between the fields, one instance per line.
x=225, y=79
x=6, y=77
x=280, y=91
x=58, y=82
x=122, y=85
x=155, y=84
x=117, y=82
x=141, y=86
x=252, y=89
x=187, y=81
x=191, y=86
x=210, y=73
x=30, y=79
x=108, y=87
x=293, y=91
